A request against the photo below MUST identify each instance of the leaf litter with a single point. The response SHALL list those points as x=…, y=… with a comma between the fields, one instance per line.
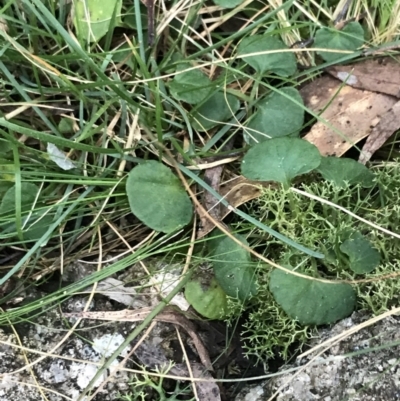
x=360, y=102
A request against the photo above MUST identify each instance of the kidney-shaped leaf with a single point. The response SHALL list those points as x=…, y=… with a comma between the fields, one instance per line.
x=28, y=195
x=208, y=299
x=342, y=170
x=38, y=223
x=276, y=116
x=310, y=301
x=190, y=86
x=92, y=18
x=218, y=108
x=281, y=63
x=363, y=257
x=351, y=37
x=232, y=267
x=280, y=159
x=157, y=197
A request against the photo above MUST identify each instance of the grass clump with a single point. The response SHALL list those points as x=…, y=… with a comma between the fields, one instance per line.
x=112, y=96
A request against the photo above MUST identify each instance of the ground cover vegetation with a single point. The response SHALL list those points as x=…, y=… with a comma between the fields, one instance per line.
x=111, y=115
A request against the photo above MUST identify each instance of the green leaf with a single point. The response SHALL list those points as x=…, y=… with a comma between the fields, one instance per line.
x=232, y=267
x=217, y=109
x=281, y=63
x=280, y=159
x=228, y=3
x=157, y=197
x=190, y=86
x=37, y=225
x=129, y=18
x=66, y=125
x=342, y=170
x=4, y=147
x=310, y=301
x=207, y=298
x=351, y=37
x=92, y=18
x=276, y=116
x=363, y=257
x=28, y=195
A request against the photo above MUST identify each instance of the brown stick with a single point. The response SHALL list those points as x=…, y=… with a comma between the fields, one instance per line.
x=150, y=22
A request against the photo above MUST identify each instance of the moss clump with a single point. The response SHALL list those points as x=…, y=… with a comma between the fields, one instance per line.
x=322, y=227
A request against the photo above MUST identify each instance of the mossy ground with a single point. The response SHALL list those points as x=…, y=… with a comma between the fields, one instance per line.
x=319, y=226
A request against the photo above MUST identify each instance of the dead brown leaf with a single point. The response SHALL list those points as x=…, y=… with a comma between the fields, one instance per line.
x=352, y=112
x=236, y=192
x=380, y=75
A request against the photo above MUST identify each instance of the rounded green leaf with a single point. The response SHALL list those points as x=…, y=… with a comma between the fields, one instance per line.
x=190, y=86
x=342, y=170
x=351, y=37
x=218, y=108
x=228, y=3
x=280, y=159
x=276, y=116
x=232, y=267
x=157, y=198
x=28, y=195
x=363, y=258
x=310, y=301
x=281, y=63
x=92, y=18
x=38, y=222
x=207, y=298
x=37, y=226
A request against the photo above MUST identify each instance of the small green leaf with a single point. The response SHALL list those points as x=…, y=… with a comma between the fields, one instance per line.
x=363, y=258
x=351, y=37
x=157, y=197
x=66, y=125
x=190, y=86
x=37, y=225
x=281, y=63
x=280, y=159
x=92, y=18
x=217, y=109
x=228, y=3
x=342, y=170
x=310, y=301
x=4, y=147
x=276, y=116
x=232, y=267
x=207, y=298
x=28, y=195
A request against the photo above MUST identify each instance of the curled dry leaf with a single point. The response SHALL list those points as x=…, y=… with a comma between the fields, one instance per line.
x=389, y=123
x=168, y=315
x=212, y=177
x=236, y=192
x=352, y=112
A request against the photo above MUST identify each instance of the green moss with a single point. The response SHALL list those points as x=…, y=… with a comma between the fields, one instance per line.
x=323, y=228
